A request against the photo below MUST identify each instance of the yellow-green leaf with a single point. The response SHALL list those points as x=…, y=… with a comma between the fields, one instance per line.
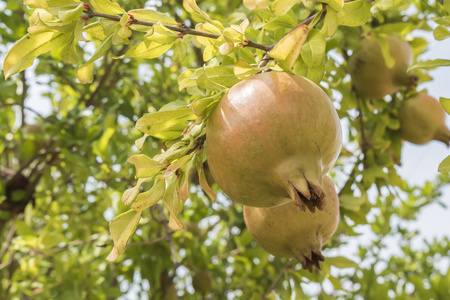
x=330, y=24
x=441, y=33
x=445, y=102
x=147, y=49
x=355, y=13
x=430, y=64
x=145, y=166
x=313, y=50
x=191, y=7
x=150, y=15
x=71, y=15
x=204, y=183
x=444, y=166
x=256, y=4
x=281, y=7
x=24, y=51
x=341, y=262
x=176, y=165
x=336, y=5
x=242, y=69
x=150, y=197
x=107, y=7
x=156, y=122
x=69, y=53
x=288, y=48
x=122, y=228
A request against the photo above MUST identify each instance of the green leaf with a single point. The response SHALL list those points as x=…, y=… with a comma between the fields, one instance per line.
x=350, y=202
x=203, y=105
x=72, y=15
x=107, y=7
x=130, y=194
x=256, y=4
x=204, y=183
x=150, y=197
x=313, y=50
x=156, y=122
x=150, y=15
x=147, y=49
x=341, y=262
x=173, y=167
x=69, y=53
x=315, y=74
x=441, y=33
x=145, y=166
x=160, y=34
x=96, y=30
x=336, y=5
x=174, y=204
x=24, y=51
x=287, y=50
x=192, y=8
x=281, y=7
x=444, y=166
x=179, y=51
x=242, y=69
x=139, y=143
x=355, y=13
x=85, y=73
x=383, y=5
x=446, y=4
x=288, y=20
x=122, y=228
x=330, y=24
x=445, y=102
x=431, y=64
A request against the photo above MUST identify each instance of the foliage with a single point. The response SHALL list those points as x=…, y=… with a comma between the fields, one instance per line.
x=65, y=172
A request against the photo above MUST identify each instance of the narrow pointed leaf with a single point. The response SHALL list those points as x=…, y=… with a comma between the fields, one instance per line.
x=24, y=51
x=145, y=166
x=288, y=48
x=150, y=197
x=122, y=228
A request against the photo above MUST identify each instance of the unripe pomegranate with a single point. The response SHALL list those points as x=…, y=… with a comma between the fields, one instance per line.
x=202, y=282
x=271, y=139
x=286, y=231
x=371, y=77
x=422, y=119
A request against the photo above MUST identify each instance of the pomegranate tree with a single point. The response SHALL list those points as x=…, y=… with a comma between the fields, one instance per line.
x=422, y=119
x=286, y=231
x=271, y=139
x=370, y=74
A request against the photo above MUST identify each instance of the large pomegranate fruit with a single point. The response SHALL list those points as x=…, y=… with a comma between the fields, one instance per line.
x=371, y=77
x=271, y=139
x=286, y=231
x=422, y=119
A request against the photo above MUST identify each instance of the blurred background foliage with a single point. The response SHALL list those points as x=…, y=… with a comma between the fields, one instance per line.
x=63, y=172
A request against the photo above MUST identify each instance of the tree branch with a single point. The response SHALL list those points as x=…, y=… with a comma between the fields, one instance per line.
x=274, y=284
x=183, y=30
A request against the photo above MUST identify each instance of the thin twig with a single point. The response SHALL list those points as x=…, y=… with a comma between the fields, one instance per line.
x=277, y=280
x=8, y=240
x=183, y=30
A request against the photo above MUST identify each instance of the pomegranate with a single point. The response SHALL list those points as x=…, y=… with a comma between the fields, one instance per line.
x=286, y=231
x=202, y=282
x=271, y=139
x=422, y=119
x=371, y=77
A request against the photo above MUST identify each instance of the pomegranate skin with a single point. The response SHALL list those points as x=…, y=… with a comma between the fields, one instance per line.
x=271, y=139
x=371, y=77
x=286, y=231
x=422, y=119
